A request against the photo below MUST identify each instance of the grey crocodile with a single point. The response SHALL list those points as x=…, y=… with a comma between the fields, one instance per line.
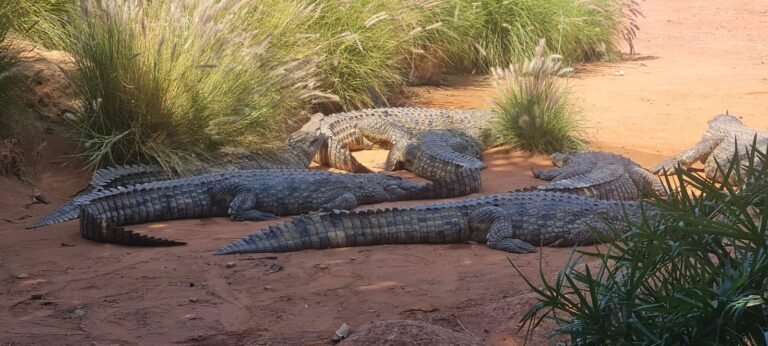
x=253, y=195
x=726, y=135
x=344, y=129
x=599, y=175
x=512, y=222
x=447, y=158
x=297, y=153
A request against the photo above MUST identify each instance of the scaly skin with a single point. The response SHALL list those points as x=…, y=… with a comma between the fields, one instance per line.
x=448, y=158
x=344, y=129
x=599, y=175
x=726, y=135
x=253, y=195
x=512, y=222
x=297, y=153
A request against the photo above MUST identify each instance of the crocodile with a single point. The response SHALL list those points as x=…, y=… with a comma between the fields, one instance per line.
x=344, y=129
x=600, y=175
x=297, y=153
x=512, y=222
x=447, y=158
x=725, y=137
x=252, y=195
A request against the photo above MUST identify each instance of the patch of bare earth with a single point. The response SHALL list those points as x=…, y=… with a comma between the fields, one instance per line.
x=699, y=59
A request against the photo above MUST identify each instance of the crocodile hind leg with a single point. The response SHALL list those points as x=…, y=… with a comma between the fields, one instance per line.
x=497, y=222
x=243, y=208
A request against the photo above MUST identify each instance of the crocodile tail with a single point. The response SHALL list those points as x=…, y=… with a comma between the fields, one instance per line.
x=103, y=179
x=95, y=228
x=356, y=228
x=67, y=211
x=115, y=176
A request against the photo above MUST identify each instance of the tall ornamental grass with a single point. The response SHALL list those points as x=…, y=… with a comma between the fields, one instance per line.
x=697, y=275
x=9, y=59
x=532, y=107
x=488, y=33
x=166, y=81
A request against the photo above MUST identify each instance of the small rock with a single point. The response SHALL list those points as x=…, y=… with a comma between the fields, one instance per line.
x=190, y=317
x=274, y=268
x=37, y=296
x=66, y=244
x=40, y=197
x=191, y=284
x=269, y=288
x=22, y=276
x=341, y=333
x=321, y=266
x=230, y=265
x=79, y=312
x=194, y=300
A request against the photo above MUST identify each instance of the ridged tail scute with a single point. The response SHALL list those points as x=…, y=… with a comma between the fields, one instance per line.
x=68, y=211
x=103, y=179
x=356, y=228
x=95, y=228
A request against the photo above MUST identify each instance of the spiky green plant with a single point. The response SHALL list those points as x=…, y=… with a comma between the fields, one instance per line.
x=532, y=106
x=167, y=81
x=695, y=275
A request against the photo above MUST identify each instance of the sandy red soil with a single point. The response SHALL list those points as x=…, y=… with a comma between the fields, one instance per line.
x=697, y=60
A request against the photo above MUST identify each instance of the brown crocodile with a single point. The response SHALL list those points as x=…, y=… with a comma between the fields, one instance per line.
x=725, y=137
x=345, y=130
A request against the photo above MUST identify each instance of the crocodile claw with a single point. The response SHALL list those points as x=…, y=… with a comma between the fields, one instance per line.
x=512, y=245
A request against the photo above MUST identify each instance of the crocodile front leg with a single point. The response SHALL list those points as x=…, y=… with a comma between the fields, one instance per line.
x=547, y=174
x=699, y=152
x=243, y=208
x=346, y=201
x=498, y=225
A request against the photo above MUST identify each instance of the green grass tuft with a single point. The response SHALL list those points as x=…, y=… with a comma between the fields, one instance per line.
x=533, y=109
x=490, y=33
x=9, y=59
x=43, y=21
x=167, y=82
x=698, y=275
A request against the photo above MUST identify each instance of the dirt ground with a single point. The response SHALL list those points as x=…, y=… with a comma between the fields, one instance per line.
x=697, y=59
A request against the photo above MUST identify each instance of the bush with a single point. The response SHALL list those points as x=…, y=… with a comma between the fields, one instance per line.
x=499, y=32
x=697, y=275
x=168, y=81
x=43, y=21
x=532, y=106
x=362, y=43
x=8, y=58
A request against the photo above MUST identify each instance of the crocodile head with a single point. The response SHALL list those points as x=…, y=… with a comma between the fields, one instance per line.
x=307, y=144
x=559, y=159
x=384, y=187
